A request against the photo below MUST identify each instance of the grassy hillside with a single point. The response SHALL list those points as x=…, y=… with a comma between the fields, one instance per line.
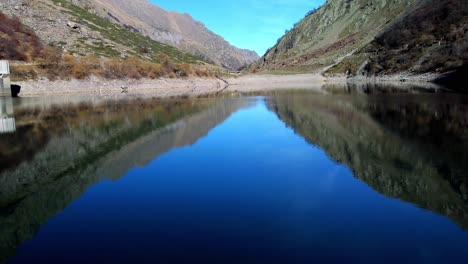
x=173, y=28
x=135, y=43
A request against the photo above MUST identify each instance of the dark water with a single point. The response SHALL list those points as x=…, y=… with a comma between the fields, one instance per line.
x=287, y=177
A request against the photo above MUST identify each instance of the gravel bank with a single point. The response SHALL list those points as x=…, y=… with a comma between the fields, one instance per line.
x=169, y=87
x=203, y=86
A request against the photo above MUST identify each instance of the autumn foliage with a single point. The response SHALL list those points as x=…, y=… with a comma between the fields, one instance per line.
x=17, y=42
x=54, y=64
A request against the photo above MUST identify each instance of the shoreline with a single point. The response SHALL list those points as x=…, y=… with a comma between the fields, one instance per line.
x=196, y=86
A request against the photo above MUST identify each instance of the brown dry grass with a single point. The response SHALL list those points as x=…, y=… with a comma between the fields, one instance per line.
x=17, y=42
x=54, y=64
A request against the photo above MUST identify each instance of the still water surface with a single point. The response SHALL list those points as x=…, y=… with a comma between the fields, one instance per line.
x=288, y=177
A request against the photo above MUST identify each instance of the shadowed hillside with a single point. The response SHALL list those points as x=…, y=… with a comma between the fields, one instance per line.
x=430, y=39
x=336, y=29
x=373, y=38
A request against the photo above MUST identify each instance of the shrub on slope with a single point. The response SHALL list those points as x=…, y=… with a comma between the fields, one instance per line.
x=17, y=42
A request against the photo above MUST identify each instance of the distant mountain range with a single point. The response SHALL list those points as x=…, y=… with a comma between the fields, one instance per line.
x=375, y=37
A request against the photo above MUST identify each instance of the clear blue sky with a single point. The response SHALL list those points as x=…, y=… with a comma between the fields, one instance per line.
x=250, y=24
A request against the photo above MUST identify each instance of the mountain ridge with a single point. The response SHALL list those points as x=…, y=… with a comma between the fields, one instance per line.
x=115, y=28
x=60, y=24
x=172, y=28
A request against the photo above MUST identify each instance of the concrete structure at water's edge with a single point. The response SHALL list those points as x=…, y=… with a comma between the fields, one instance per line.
x=5, y=85
x=7, y=117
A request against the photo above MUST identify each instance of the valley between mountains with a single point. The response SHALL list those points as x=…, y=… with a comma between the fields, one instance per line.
x=111, y=44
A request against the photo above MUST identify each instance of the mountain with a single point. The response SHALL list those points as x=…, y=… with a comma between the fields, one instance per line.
x=375, y=37
x=59, y=23
x=172, y=28
x=332, y=31
x=124, y=28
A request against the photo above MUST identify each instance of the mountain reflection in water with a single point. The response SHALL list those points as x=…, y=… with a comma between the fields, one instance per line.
x=411, y=147
x=60, y=151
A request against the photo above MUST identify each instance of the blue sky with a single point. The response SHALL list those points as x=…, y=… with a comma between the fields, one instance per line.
x=250, y=24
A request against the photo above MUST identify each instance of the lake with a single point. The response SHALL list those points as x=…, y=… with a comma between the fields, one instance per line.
x=341, y=175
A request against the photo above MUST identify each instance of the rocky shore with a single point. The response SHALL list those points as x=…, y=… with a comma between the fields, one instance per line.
x=167, y=87
x=158, y=87
x=193, y=86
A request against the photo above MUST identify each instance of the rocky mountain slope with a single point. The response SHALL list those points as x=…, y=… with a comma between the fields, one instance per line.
x=334, y=30
x=59, y=23
x=368, y=37
x=123, y=28
x=428, y=39
x=172, y=28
